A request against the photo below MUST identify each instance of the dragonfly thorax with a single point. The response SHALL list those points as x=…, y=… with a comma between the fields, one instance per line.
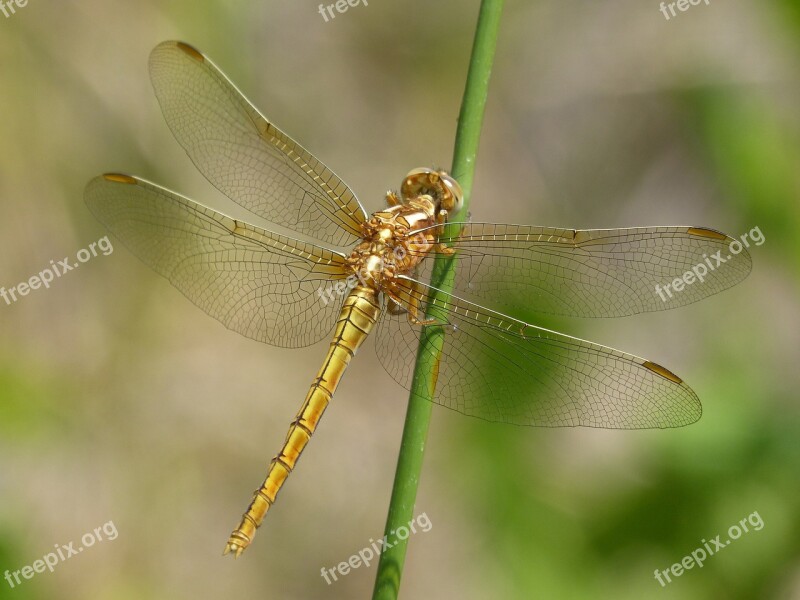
x=392, y=243
x=397, y=238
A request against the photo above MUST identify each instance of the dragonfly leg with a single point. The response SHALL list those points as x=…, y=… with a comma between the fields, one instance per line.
x=441, y=220
x=392, y=199
x=415, y=320
x=395, y=308
x=412, y=310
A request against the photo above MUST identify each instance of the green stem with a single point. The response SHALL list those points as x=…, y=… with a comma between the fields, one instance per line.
x=412, y=448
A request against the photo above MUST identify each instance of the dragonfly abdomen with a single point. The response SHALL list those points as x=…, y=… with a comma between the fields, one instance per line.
x=359, y=313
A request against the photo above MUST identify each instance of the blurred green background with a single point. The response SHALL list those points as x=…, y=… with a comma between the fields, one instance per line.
x=119, y=400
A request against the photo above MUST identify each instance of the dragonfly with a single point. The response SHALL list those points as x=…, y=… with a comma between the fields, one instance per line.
x=343, y=275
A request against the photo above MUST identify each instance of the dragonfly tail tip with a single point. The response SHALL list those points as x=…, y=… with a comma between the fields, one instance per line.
x=233, y=547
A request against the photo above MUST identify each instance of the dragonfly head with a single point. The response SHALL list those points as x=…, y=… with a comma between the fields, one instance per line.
x=441, y=189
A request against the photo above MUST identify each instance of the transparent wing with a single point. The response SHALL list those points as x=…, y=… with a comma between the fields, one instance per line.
x=591, y=273
x=244, y=155
x=500, y=369
x=260, y=284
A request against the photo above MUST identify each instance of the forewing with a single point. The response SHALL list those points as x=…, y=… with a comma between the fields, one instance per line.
x=258, y=283
x=500, y=369
x=594, y=272
x=244, y=155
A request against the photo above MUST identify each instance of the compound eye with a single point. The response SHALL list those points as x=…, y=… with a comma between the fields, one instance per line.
x=453, y=198
x=415, y=182
x=443, y=189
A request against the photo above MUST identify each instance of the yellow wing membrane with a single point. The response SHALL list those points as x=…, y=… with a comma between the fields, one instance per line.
x=502, y=369
x=244, y=155
x=258, y=283
x=591, y=272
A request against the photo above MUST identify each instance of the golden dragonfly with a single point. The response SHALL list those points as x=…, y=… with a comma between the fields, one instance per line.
x=277, y=289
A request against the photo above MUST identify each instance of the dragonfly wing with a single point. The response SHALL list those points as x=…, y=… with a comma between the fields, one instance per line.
x=258, y=283
x=593, y=272
x=500, y=369
x=244, y=155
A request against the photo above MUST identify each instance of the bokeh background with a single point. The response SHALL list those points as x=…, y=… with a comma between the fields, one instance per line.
x=119, y=400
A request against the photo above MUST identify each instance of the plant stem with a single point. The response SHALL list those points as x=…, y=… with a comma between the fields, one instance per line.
x=418, y=415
